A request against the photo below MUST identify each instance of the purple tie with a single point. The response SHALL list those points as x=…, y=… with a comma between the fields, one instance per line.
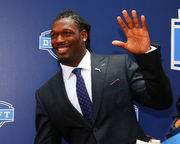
x=83, y=97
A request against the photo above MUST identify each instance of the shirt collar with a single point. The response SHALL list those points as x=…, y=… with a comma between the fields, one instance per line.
x=85, y=63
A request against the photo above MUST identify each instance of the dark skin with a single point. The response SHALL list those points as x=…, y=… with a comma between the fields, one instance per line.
x=68, y=41
x=138, y=41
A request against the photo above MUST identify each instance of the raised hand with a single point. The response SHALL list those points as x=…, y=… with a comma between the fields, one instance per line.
x=138, y=41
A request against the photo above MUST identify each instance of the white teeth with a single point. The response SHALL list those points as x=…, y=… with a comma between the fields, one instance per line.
x=61, y=49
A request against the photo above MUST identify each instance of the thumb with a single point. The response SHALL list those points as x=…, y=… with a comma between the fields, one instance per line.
x=119, y=43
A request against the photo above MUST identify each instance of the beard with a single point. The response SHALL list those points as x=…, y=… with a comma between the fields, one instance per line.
x=64, y=60
x=69, y=61
x=72, y=58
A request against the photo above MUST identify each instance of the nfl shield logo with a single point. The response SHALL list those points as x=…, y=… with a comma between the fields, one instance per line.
x=175, y=43
x=6, y=113
x=45, y=43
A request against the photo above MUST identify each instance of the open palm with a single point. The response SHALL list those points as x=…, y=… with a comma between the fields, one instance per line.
x=138, y=41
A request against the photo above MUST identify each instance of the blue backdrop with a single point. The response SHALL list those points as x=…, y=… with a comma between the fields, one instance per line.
x=24, y=68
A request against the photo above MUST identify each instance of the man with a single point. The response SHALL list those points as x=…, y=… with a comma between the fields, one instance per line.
x=174, y=128
x=90, y=100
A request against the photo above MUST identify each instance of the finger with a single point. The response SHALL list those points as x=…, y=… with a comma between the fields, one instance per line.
x=122, y=24
x=135, y=19
x=128, y=19
x=143, y=21
x=119, y=43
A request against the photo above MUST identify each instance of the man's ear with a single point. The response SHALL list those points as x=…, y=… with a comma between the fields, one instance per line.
x=84, y=35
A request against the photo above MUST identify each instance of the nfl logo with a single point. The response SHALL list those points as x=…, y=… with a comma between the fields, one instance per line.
x=45, y=43
x=175, y=43
x=6, y=113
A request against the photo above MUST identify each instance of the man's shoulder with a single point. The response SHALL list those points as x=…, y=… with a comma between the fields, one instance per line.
x=110, y=56
x=115, y=59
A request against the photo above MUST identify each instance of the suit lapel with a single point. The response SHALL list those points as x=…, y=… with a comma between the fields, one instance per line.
x=64, y=103
x=98, y=70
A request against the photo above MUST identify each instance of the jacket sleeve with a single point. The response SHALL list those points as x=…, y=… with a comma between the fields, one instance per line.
x=46, y=133
x=149, y=84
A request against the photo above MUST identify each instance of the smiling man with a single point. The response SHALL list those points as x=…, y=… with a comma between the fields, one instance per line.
x=90, y=100
x=68, y=41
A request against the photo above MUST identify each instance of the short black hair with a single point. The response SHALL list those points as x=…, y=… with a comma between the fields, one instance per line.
x=81, y=23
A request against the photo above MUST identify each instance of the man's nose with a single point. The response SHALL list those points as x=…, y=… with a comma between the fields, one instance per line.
x=59, y=39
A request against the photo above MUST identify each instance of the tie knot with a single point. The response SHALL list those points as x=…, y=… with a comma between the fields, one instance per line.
x=77, y=71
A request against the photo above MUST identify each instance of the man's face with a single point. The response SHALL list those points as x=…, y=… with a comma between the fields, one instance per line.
x=68, y=42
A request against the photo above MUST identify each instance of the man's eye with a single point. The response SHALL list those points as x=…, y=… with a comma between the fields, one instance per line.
x=67, y=33
x=52, y=35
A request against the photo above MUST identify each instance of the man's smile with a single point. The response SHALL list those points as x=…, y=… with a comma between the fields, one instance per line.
x=61, y=49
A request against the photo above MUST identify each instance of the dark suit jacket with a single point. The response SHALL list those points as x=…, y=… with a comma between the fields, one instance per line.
x=114, y=88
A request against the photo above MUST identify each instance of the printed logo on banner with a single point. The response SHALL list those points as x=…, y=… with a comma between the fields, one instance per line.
x=175, y=42
x=6, y=113
x=45, y=43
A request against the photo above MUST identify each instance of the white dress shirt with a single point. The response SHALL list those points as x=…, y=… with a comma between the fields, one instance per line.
x=70, y=79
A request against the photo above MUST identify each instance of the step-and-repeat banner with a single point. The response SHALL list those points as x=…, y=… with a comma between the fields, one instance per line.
x=27, y=60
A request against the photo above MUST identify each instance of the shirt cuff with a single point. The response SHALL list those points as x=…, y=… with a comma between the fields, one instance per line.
x=152, y=48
